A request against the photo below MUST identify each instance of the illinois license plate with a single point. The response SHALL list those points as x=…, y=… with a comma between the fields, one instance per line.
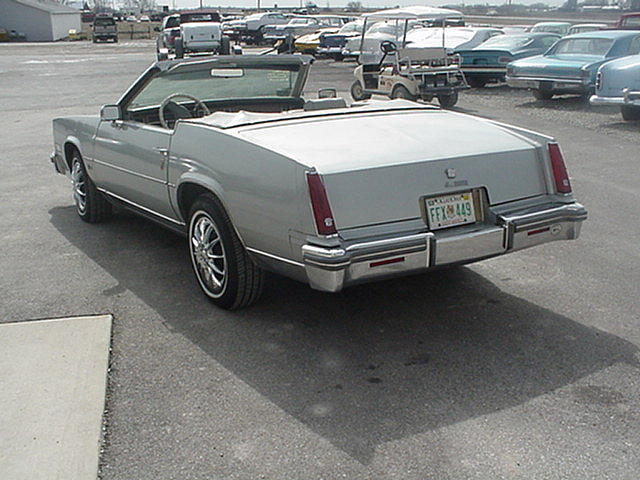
x=450, y=210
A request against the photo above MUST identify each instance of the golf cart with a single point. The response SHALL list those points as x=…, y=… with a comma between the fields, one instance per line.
x=409, y=72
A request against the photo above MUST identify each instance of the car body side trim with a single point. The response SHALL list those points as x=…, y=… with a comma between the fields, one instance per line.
x=140, y=207
x=126, y=170
x=274, y=257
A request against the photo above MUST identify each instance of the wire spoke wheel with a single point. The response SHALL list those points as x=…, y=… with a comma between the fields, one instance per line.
x=208, y=254
x=79, y=187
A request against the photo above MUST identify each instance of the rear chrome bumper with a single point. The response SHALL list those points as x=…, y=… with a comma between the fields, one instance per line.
x=555, y=84
x=331, y=269
x=469, y=70
x=58, y=163
x=628, y=98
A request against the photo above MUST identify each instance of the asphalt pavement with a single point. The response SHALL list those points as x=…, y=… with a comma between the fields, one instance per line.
x=524, y=366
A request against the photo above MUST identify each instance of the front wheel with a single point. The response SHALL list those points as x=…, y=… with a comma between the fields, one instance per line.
x=225, y=272
x=179, y=48
x=448, y=101
x=630, y=113
x=476, y=82
x=358, y=93
x=400, y=91
x=542, y=94
x=225, y=46
x=91, y=205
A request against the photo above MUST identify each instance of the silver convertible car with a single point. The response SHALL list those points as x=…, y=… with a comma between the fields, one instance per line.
x=226, y=151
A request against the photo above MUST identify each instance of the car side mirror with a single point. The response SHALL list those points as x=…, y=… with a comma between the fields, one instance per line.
x=110, y=113
x=327, y=93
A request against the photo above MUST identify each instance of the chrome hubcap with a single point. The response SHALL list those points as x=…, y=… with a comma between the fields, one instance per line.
x=208, y=254
x=79, y=187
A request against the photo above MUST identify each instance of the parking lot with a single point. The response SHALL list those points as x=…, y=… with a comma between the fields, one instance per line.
x=523, y=366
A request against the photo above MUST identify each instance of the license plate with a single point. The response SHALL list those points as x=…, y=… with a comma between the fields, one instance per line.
x=450, y=210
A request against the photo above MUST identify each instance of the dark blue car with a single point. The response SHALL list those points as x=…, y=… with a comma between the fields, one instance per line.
x=487, y=62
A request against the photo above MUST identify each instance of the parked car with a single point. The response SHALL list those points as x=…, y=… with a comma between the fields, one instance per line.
x=587, y=27
x=256, y=191
x=166, y=40
x=570, y=66
x=332, y=44
x=451, y=38
x=310, y=42
x=628, y=21
x=252, y=192
x=376, y=33
x=104, y=29
x=145, y=18
x=201, y=32
x=487, y=62
x=299, y=26
x=560, y=28
x=618, y=83
x=251, y=28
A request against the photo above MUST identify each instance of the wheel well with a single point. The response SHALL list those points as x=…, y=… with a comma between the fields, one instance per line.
x=69, y=148
x=187, y=194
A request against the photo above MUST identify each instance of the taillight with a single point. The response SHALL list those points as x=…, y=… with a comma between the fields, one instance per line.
x=320, y=205
x=563, y=185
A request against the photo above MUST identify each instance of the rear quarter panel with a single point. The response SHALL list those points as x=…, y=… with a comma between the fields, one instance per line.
x=78, y=131
x=262, y=191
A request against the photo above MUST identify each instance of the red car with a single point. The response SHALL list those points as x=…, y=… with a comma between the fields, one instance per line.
x=629, y=21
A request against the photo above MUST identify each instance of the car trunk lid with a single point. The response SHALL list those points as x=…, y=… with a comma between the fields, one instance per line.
x=377, y=167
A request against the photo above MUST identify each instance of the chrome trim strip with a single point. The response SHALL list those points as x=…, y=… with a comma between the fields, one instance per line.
x=274, y=257
x=148, y=210
x=125, y=170
x=577, y=81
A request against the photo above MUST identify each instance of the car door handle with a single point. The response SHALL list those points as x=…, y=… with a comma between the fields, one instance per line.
x=162, y=151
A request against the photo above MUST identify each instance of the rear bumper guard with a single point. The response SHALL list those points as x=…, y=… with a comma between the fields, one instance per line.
x=332, y=268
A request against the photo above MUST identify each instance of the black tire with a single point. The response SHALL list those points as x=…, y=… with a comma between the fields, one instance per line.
x=179, y=48
x=476, y=82
x=448, y=101
x=542, y=94
x=400, y=91
x=630, y=113
x=95, y=208
x=358, y=93
x=115, y=39
x=225, y=46
x=243, y=280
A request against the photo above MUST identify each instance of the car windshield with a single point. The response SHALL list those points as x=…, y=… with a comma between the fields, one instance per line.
x=383, y=27
x=560, y=29
x=583, y=46
x=299, y=21
x=631, y=22
x=352, y=27
x=172, y=22
x=507, y=41
x=218, y=83
x=104, y=22
x=199, y=17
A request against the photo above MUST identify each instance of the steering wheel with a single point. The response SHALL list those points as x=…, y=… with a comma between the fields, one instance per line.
x=388, y=47
x=180, y=111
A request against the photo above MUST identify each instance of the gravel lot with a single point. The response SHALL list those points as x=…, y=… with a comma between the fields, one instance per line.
x=524, y=366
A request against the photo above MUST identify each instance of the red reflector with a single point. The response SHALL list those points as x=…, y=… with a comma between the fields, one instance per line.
x=539, y=230
x=386, y=262
x=320, y=205
x=560, y=175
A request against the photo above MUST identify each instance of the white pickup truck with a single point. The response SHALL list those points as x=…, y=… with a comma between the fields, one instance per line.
x=201, y=32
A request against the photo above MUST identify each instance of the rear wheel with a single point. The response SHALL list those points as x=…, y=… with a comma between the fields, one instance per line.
x=91, y=205
x=630, y=113
x=179, y=48
x=476, y=82
x=448, y=101
x=400, y=91
x=225, y=46
x=358, y=93
x=225, y=272
x=542, y=94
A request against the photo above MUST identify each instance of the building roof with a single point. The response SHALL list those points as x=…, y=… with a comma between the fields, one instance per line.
x=47, y=6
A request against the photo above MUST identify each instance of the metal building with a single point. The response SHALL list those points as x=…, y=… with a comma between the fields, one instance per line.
x=39, y=21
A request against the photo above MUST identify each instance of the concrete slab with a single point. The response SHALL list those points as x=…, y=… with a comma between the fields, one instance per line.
x=53, y=380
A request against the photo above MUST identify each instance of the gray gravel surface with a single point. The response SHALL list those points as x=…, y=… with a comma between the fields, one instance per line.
x=524, y=366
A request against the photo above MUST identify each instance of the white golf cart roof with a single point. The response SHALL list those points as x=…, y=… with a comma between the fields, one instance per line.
x=416, y=12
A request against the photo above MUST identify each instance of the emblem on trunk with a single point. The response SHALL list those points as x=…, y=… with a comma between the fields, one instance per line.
x=451, y=172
